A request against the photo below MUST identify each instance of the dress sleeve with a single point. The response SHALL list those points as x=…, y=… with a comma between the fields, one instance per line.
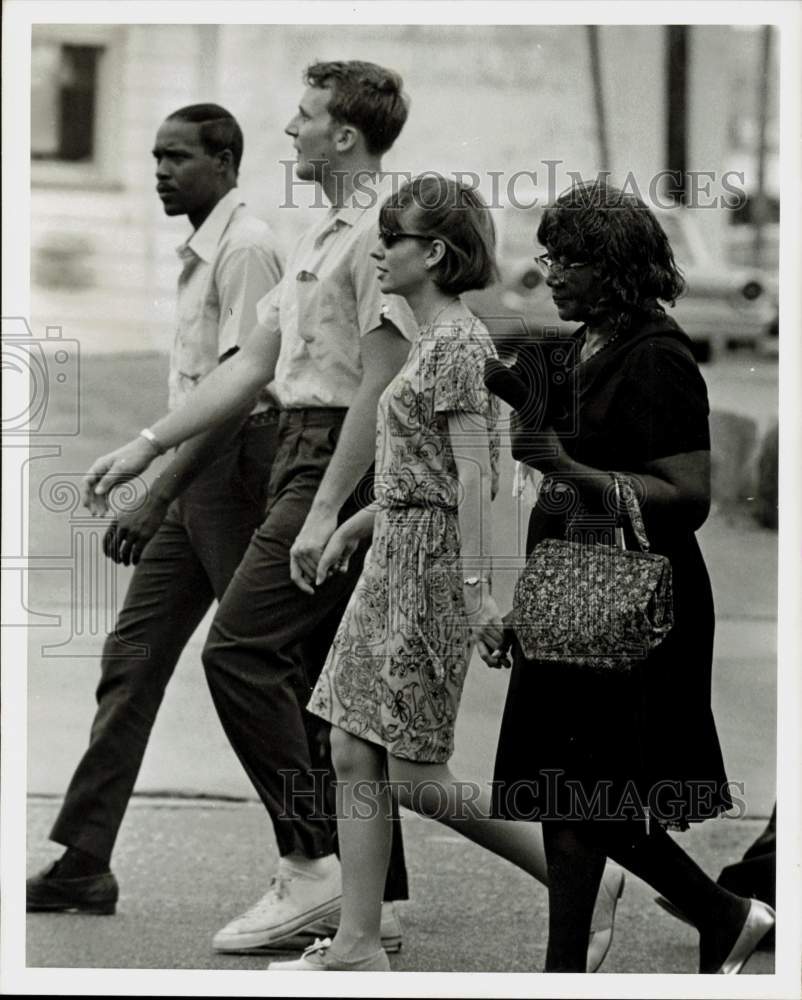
x=662, y=406
x=458, y=374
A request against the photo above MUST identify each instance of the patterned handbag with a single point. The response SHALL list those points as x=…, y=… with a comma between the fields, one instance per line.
x=594, y=605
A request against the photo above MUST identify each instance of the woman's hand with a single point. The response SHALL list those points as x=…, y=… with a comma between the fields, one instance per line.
x=486, y=625
x=114, y=469
x=340, y=547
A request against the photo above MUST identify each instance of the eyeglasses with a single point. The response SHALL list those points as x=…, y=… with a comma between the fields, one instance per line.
x=389, y=237
x=548, y=265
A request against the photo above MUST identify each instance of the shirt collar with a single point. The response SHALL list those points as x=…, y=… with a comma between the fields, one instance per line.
x=204, y=241
x=370, y=193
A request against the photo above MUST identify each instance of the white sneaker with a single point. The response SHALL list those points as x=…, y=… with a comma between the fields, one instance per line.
x=296, y=897
x=319, y=958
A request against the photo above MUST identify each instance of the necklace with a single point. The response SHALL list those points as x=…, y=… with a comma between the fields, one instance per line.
x=597, y=350
x=429, y=324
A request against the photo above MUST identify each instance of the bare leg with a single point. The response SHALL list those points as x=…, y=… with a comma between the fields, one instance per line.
x=364, y=826
x=432, y=790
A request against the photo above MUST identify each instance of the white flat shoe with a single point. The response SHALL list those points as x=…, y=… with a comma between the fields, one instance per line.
x=319, y=958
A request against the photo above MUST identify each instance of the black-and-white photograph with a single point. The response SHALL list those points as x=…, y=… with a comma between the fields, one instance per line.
x=396, y=569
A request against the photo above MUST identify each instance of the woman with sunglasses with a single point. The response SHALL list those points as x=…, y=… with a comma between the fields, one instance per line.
x=619, y=757
x=392, y=683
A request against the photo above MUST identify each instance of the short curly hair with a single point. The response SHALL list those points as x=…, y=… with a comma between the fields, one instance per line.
x=617, y=232
x=219, y=129
x=364, y=95
x=456, y=214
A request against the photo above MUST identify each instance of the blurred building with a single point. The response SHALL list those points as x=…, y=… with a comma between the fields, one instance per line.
x=496, y=101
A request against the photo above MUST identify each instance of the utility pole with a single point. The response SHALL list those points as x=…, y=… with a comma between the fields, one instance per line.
x=762, y=118
x=677, y=109
x=597, y=84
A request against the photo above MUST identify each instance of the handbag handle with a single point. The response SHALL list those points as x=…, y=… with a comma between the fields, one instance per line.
x=623, y=488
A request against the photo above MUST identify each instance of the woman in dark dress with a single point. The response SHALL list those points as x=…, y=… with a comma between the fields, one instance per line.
x=609, y=761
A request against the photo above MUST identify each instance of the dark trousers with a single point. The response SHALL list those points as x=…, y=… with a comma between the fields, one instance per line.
x=259, y=682
x=187, y=564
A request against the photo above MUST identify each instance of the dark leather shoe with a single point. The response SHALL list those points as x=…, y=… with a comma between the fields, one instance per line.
x=46, y=892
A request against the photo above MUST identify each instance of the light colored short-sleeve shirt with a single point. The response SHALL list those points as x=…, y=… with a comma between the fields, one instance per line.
x=230, y=263
x=327, y=301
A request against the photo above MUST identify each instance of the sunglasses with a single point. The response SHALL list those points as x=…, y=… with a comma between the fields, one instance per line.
x=389, y=237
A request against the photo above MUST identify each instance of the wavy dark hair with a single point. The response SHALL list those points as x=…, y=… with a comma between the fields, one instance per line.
x=364, y=95
x=621, y=236
x=456, y=214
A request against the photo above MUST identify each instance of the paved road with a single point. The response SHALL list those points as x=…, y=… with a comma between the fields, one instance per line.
x=186, y=868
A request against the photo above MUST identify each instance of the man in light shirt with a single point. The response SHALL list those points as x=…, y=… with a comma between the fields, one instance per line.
x=190, y=534
x=330, y=343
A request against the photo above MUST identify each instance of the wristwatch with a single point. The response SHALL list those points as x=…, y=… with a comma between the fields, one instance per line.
x=474, y=581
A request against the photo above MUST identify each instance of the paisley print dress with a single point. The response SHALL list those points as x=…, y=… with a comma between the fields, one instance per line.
x=395, y=672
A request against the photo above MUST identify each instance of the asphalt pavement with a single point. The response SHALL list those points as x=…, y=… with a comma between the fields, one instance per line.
x=187, y=867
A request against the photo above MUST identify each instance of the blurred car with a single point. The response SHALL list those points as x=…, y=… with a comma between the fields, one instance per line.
x=724, y=305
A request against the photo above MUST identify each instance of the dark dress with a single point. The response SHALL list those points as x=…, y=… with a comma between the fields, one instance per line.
x=574, y=744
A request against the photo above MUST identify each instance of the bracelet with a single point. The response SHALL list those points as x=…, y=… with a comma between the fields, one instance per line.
x=474, y=581
x=152, y=440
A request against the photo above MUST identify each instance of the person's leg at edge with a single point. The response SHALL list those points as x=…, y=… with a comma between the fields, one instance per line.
x=256, y=679
x=189, y=562
x=575, y=854
x=166, y=600
x=313, y=654
x=465, y=806
x=575, y=870
x=251, y=656
x=364, y=824
x=656, y=858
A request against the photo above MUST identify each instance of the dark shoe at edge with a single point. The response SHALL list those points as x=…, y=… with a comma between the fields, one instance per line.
x=47, y=893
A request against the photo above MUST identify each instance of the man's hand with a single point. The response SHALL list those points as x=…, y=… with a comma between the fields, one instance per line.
x=127, y=537
x=308, y=548
x=114, y=469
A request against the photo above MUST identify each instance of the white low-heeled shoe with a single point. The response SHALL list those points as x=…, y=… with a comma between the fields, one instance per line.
x=320, y=958
x=611, y=889
x=759, y=921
